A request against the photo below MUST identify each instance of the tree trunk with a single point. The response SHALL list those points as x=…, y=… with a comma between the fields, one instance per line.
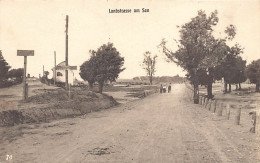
x=209, y=90
x=100, y=86
x=210, y=81
x=225, y=87
x=239, y=85
x=196, y=94
x=229, y=89
x=91, y=84
x=151, y=80
x=236, y=87
x=257, y=87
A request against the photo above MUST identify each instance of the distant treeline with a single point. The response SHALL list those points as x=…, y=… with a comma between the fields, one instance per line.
x=162, y=79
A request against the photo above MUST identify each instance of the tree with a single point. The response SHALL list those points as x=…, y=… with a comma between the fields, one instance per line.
x=136, y=78
x=232, y=67
x=149, y=65
x=240, y=72
x=17, y=74
x=107, y=64
x=88, y=72
x=253, y=73
x=4, y=67
x=195, y=48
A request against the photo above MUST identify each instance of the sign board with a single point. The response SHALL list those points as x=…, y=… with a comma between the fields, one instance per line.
x=25, y=52
x=66, y=68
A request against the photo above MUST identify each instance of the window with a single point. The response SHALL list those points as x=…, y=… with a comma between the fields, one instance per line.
x=59, y=74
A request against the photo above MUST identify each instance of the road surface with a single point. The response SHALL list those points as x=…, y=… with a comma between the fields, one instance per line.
x=159, y=128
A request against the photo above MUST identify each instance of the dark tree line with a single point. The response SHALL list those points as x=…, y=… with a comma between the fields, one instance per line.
x=16, y=75
x=253, y=73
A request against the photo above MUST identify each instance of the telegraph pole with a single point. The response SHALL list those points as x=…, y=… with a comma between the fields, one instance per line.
x=66, y=53
x=42, y=70
x=54, y=71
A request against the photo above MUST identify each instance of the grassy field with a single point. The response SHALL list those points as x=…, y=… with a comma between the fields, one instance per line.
x=124, y=94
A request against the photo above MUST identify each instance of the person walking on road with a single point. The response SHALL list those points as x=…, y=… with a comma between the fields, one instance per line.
x=161, y=89
x=169, y=88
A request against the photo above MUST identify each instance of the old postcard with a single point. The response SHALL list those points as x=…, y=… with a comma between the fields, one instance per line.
x=130, y=81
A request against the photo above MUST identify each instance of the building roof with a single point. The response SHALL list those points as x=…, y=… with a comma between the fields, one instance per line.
x=61, y=66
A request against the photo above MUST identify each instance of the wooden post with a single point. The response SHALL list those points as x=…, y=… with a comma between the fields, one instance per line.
x=209, y=104
x=257, y=123
x=228, y=111
x=24, y=78
x=206, y=102
x=69, y=92
x=220, y=109
x=25, y=53
x=66, y=53
x=253, y=120
x=212, y=106
x=215, y=106
x=203, y=100
x=54, y=71
x=237, y=117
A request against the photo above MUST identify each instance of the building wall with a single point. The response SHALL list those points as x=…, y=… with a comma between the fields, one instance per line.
x=62, y=78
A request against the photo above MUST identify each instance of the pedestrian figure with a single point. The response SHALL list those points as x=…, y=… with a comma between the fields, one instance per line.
x=161, y=89
x=164, y=89
x=169, y=88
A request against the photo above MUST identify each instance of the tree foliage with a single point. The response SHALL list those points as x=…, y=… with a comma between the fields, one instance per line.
x=232, y=66
x=149, y=62
x=4, y=68
x=88, y=71
x=17, y=74
x=197, y=48
x=204, y=57
x=253, y=73
x=104, y=65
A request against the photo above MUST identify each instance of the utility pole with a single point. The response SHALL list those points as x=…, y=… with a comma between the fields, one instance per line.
x=67, y=67
x=54, y=71
x=66, y=53
x=42, y=70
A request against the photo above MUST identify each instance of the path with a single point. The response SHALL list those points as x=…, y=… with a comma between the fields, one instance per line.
x=160, y=128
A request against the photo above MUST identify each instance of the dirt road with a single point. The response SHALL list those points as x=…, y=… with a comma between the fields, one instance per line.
x=160, y=128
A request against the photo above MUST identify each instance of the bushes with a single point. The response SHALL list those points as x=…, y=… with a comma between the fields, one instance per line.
x=9, y=83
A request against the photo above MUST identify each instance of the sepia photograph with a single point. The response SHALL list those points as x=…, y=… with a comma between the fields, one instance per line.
x=128, y=81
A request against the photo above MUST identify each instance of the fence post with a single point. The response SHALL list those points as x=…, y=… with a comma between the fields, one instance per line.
x=220, y=109
x=215, y=106
x=69, y=91
x=253, y=120
x=206, y=102
x=26, y=90
x=200, y=100
x=228, y=111
x=209, y=104
x=237, y=118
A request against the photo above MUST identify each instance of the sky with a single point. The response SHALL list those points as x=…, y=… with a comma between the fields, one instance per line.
x=39, y=25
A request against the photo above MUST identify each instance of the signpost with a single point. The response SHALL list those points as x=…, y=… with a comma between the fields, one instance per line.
x=25, y=53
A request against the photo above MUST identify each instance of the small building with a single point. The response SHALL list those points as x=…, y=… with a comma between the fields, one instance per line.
x=60, y=73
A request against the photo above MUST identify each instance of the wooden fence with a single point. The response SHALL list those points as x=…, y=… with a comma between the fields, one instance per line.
x=224, y=109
